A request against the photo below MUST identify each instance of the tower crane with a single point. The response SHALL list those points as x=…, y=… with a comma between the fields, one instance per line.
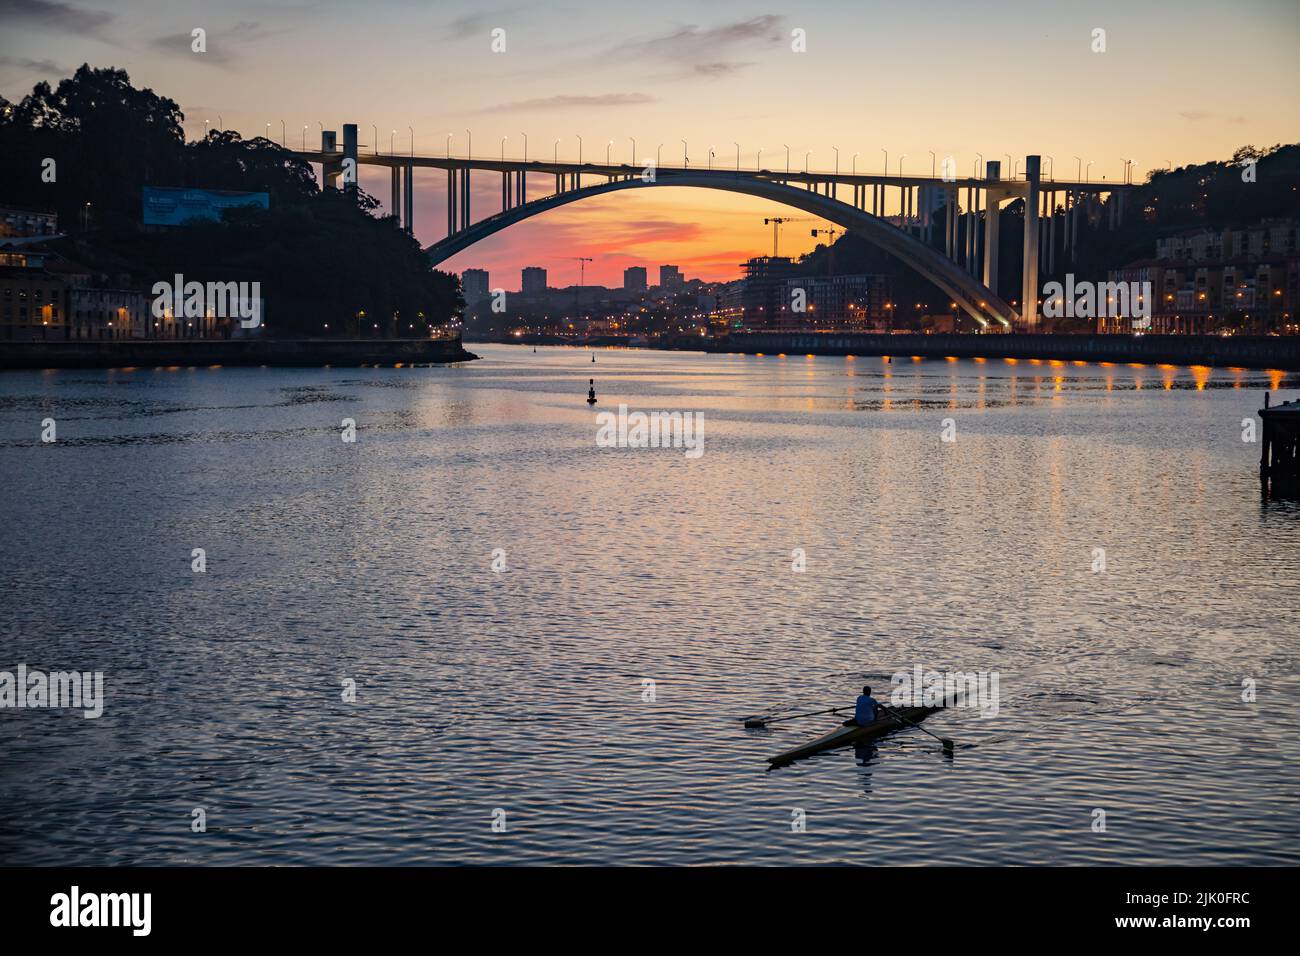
x=776, y=222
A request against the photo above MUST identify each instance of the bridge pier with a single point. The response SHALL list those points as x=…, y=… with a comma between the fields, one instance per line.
x=991, y=224
x=1029, y=271
x=464, y=198
x=409, y=198
x=395, y=206
x=331, y=169
x=350, y=160
x=1051, y=233
x=451, y=200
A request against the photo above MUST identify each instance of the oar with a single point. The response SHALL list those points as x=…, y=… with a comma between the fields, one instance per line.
x=947, y=744
x=764, y=721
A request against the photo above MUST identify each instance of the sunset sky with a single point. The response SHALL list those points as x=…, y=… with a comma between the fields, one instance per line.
x=1181, y=81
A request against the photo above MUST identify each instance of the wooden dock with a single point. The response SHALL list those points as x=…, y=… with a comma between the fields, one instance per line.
x=1279, y=459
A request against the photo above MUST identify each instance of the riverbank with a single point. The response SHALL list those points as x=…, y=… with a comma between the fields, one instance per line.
x=1255, y=352
x=285, y=353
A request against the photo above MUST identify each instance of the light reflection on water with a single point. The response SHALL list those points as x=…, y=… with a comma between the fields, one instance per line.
x=523, y=690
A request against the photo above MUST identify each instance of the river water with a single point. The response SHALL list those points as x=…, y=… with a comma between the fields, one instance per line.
x=520, y=695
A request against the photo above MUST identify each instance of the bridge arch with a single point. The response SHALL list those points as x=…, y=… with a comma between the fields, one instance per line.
x=975, y=298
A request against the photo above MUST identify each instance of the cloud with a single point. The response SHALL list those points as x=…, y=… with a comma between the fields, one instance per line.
x=564, y=102
x=221, y=44
x=36, y=66
x=51, y=15
x=472, y=24
x=702, y=51
x=1197, y=116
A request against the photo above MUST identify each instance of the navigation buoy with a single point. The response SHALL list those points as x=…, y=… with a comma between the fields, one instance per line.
x=593, y=358
x=591, y=392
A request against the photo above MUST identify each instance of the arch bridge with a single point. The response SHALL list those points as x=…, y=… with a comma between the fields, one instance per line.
x=966, y=269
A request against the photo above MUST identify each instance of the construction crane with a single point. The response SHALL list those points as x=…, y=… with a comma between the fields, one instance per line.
x=582, y=280
x=776, y=222
x=832, y=233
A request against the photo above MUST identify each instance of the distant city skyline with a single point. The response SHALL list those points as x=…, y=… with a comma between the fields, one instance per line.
x=1179, y=82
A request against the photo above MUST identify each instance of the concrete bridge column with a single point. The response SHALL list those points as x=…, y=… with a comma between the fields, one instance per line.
x=1051, y=233
x=950, y=215
x=410, y=198
x=331, y=169
x=464, y=198
x=505, y=190
x=452, y=193
x=395, y=206
x=350, y=159
x=1029, y=272
x=1074, y=230
x=991, y=223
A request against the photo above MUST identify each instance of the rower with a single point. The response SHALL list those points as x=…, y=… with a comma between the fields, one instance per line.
x=865, y=710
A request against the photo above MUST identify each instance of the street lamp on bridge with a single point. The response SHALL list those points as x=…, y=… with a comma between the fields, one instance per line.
x=555, y=153
x=737, y=145
x=608, y=147
x=855, y=164
x=932, y=162
x=837, y=159
x=579, y=149
x=525, y=136
x=469, y=146
x=449, y=136
x=686, y=160
x=886, y=152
